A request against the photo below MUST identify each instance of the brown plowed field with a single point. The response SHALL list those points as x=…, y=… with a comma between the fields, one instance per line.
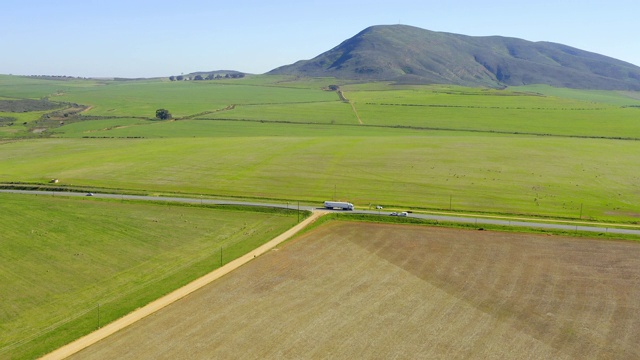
x=351, y=290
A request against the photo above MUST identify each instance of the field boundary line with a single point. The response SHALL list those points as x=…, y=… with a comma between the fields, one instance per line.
x=536, y=220
x=129, y=319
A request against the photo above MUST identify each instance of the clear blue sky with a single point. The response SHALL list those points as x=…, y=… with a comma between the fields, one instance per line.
x=144, y=38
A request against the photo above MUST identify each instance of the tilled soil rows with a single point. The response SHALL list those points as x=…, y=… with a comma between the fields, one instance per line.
x=355, y=290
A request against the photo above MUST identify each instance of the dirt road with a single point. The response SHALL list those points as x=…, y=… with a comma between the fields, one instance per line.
x=149, y=309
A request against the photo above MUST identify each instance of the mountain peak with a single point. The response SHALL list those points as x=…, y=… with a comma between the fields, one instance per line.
x=408, y=54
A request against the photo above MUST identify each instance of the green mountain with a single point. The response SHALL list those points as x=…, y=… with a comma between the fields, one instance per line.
x=409, y=54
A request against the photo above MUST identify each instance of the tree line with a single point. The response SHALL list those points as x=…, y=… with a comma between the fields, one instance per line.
x=208, y=77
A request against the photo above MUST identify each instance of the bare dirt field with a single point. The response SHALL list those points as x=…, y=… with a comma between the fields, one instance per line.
x=352, y=290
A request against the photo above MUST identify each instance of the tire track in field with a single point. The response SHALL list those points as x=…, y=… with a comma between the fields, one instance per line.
x=176, y=295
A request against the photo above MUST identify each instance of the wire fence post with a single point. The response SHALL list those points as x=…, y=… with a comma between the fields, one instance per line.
x=581, y=211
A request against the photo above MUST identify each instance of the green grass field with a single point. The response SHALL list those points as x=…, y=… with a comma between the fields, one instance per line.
x=184, y=98
x=532, y=150
x=505, y=111
x=60, y=257
x=544, y=176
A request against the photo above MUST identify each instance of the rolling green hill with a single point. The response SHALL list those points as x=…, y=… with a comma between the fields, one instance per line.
x=412, y=55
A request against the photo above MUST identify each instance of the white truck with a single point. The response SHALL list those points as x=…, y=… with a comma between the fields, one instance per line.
x=338, y=205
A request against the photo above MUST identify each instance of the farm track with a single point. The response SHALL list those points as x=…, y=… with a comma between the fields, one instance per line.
x=353, y=106
x=176, y=295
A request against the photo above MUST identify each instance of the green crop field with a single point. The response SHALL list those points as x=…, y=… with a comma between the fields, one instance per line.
x=18, y=87
x=526, y=175
x=334, y=112
x=62, y=258
x=504, y=111
x=127, y=128
x=532, y=150
x=184, y=98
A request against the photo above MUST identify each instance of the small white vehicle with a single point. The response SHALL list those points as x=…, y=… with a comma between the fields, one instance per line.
x=404, y=213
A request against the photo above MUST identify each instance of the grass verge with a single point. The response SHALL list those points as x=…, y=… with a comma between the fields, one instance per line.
x=467, y=226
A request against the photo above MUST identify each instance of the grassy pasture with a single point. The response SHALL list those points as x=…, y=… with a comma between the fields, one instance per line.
x=539, y=110
x=464, y=97
x=503, y=174
x=497, y=110
x=61, y=257
x=620, y=98
x=354, y=290
x=102, y=128
x=323, y=151
x=20, y=87
x=324, y=155
x=567, y=96
x=331, y=112
x=123, y=128
x=611, y=123
x=183, y=98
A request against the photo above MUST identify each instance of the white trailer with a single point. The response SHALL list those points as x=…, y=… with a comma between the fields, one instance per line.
x=338, y=205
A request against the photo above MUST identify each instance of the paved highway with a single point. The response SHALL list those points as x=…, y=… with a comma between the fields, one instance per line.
x=570, y=226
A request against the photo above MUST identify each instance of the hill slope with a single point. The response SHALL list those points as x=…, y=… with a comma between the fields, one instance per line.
x=410, y=54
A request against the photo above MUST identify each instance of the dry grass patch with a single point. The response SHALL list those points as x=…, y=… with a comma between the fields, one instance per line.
x=353, y=290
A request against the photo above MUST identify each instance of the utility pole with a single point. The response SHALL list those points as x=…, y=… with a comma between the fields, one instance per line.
x=580, y=210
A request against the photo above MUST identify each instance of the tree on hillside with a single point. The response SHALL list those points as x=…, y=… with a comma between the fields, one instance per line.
x=198, y=77
x=163, y=114
x=179, y=77
x=172, y=78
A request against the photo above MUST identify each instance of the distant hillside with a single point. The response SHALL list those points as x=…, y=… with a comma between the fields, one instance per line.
x=412, y=55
